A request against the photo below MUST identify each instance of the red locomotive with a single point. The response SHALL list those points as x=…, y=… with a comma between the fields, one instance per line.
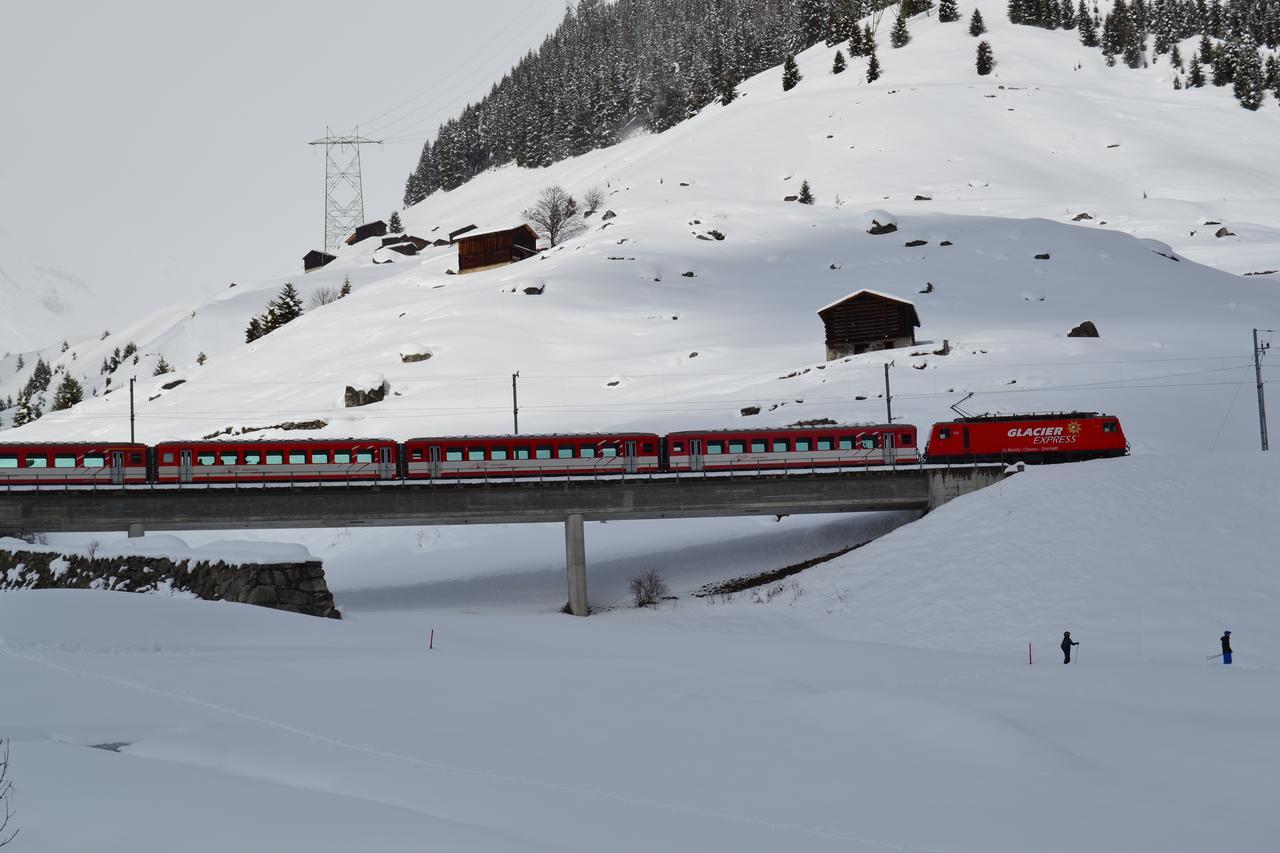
x=1036, y=438
x=462, y=457
x=50, y=463
x=313, y=460
x=795, y=447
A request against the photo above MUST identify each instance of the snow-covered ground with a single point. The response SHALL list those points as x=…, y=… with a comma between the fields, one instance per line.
x=882, y=703
x=881, y=700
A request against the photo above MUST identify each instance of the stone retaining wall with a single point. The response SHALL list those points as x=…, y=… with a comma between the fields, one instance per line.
x=295, y=587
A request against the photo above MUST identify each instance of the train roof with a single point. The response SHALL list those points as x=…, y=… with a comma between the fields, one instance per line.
x=534, y=436
x=1029, y=416
x=808, y=427
x=242, y=440
x=72, y=444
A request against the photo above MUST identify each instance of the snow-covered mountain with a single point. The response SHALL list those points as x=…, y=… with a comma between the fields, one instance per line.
x=43, y=301
x=643, y=324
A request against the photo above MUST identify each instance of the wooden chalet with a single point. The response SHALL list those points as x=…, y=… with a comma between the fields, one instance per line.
x=867, y=321
x=315, y=259
x=377, y=228
x=458, y=232
x=495, y=248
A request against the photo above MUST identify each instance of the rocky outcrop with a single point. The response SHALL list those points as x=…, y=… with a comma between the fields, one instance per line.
x=1084, y=330
x=370, y=388
x=295, y=587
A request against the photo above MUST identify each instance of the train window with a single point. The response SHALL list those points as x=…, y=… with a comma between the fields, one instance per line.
x=9, y=460
x=737, y=447
x=135, y=458
x=522, y=453
x=252, y=457
x=648, y=447
x=781, y=445
x=94, y=460
x=824, y=444
x=609, y=451
x=206, y=459
x=906, y=439
x=320, y=457
x=715, y=448
x=453, y=454
x=804, y=445
x=342, y=457
x=227, y=458
x=543, y=452
x=586, y=452
x=677, y=447
x=364, y=457
x=416, y=454
x=1111, y=426
x=846, y=442
x=475, y=454
x=867, y=442
x=564, y=451
x=297, y=457
x=37, y=462
x=275, y=458
x=944, y=433
x=64, y=462
x=758, y=445
x=499, y=453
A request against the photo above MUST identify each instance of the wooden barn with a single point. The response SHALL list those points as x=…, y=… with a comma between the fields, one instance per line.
x=315, y=259
x=377, y=228
x=495, y=248
x=867, y=321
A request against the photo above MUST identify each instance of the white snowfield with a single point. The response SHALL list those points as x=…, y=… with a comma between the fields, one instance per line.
x=878, y=702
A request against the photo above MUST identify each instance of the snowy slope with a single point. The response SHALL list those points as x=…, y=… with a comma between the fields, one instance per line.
x=43, y=302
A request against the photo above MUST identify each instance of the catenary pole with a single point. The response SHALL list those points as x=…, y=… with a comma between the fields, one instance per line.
x=515, y=405
x=132, y=379
x=888, y=398
x=1257, y=370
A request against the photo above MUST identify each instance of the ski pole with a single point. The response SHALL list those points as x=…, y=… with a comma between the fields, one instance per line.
x=1211, y=657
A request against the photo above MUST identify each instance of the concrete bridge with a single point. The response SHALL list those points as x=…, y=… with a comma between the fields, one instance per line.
x=569, y=501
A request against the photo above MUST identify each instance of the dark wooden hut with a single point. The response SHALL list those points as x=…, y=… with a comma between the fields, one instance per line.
x=495, y=248
x=866, y=321
x=377, y=228
x=458, y=232
x=315, y=259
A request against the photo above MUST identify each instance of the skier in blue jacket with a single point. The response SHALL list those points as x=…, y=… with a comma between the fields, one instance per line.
x=1226, y=646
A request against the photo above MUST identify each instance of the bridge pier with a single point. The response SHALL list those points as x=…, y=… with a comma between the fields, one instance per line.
x=136, y=530
x=575, y=557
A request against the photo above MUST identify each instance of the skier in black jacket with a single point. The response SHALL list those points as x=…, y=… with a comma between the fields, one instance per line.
x=1226, y=646
x=1067, y=643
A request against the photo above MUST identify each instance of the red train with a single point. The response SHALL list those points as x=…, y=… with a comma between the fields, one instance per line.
x=1039, y=438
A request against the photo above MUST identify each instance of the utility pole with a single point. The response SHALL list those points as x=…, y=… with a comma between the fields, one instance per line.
x=1258, y=351
x=343, y=189
x=132, y=379
x=888, y=398
x=515, y=405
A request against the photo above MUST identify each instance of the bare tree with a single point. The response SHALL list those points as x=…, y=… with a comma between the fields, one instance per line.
x=323, y=296
x=553, y=215
x=6, y=796
x=592, y=199
x=648, y=589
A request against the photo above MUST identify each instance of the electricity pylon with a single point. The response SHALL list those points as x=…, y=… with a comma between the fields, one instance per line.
x=343, y=191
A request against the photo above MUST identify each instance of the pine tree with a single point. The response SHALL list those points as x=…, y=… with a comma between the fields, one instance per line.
x=1207, y=50
x=1248, y=85
x=393, y=223
x=29, y=408
x=253, y=331
x=1067, y=16
x=976, y=25
x=21, y=361
x=790, y=74
x=345, y=290
x=65, y=346
x=1195, y=75
x=286, y=307
x=1175, y=57
x=947, y=11
x=41, y=375
x=728, y=88
x=68, y=394
x=1177, y=83
x=1271, y=75
x=162, y=367
x=900, y=35
x=806, y=194
x=986, y=60
x=838, y=65
x=857, y=47
x=873, y=64
x=201, y=359
x=1224, y=69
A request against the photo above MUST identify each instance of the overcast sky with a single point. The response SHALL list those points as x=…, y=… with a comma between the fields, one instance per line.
x=159, y=149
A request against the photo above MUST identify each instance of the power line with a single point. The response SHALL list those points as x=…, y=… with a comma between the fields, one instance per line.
x=343, y=186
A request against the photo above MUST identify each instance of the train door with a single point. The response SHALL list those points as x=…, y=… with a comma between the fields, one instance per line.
x=695, y=454
x=433, y=455
x=117, y=467
x=184, y=466
x=887, y=443
x=629, y=457
x=964, y=438
x=386, y=469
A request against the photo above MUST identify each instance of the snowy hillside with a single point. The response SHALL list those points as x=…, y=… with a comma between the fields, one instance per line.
x=611, y=340
x=43, y=302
